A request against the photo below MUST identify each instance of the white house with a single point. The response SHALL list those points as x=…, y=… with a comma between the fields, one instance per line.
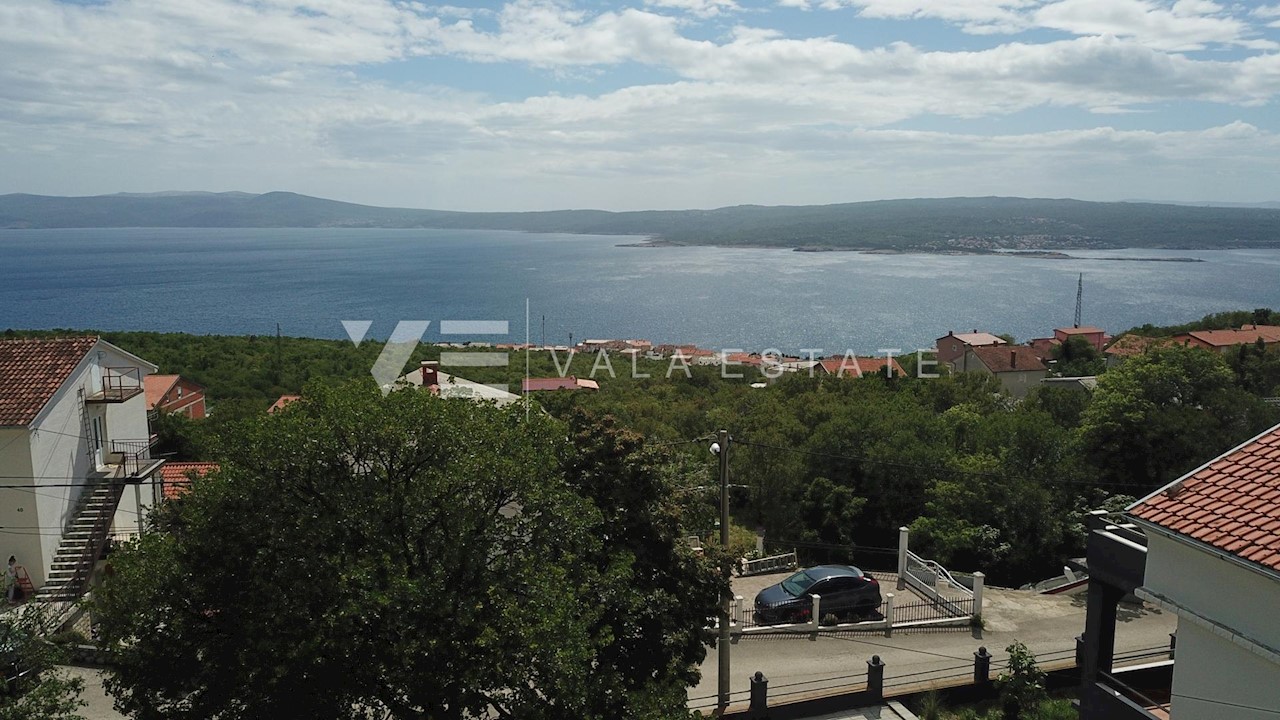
x=1213, y=559
x=428, y=375
x=75, y=455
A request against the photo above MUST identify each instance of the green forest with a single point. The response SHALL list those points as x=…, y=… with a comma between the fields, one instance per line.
x=921, y=224
x=833, y=466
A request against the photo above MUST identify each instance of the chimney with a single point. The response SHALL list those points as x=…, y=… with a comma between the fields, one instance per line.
x=430, y=373
x=1013, y=359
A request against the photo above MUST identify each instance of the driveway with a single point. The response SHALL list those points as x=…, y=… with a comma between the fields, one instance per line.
x=99, y=707
x=798, y=665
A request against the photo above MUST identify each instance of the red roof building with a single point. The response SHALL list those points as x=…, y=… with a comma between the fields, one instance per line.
x=1232, y=503
x=174, y=394
x=176, y=478
x=1018, y=367
x=558, y=383
x=860, y=366
x=1127, y=346
x=1224, y=340
x=952, y=346
x=283, y=401
x=1094, y=336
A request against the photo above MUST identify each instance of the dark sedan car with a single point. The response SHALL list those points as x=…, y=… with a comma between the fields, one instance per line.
x=846, y=592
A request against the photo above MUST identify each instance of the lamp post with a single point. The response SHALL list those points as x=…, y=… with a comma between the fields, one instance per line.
x=722, y=645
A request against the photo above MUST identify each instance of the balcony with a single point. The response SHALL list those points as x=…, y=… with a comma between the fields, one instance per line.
x=134, y=459
x=1140, y=693
x=118, y=384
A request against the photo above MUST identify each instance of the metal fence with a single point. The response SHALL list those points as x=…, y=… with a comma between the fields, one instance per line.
x=915, y=611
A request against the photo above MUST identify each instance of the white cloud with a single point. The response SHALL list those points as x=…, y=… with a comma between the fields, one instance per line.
x=1162, y=24
x=701, y=8
x=265, y=95
x=977, y=16
x=1186, y=25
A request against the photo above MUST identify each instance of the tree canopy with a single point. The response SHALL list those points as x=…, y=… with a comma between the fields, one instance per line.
x=410, y=557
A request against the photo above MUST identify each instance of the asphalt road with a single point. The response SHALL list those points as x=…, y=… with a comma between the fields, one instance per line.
x=798, y=665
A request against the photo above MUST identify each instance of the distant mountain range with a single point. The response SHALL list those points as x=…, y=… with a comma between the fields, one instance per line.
x=984, y=224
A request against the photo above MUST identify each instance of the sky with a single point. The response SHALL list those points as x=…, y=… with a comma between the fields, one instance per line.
x=551, y=104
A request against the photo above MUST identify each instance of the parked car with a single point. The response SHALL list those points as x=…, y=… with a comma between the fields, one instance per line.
x=846, y=592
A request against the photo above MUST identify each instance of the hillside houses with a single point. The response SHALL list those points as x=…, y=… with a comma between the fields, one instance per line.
x=76, y=447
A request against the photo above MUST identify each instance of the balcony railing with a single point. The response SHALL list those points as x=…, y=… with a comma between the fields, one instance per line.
x=118, y=384
x=134, y=456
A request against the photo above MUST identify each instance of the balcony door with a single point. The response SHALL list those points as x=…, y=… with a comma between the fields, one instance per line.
x=99, y=433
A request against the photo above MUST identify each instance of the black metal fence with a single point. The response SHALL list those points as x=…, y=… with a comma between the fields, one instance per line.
x=920, y=610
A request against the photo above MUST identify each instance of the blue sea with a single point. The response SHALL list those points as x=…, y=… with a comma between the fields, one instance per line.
x=246, y=281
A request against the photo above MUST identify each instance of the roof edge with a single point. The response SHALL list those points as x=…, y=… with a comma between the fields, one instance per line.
x=130, y=355
x=1182, y=478
x=1269, y=572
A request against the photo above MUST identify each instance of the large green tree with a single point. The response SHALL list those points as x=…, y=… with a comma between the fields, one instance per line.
x=397, y=557
x=1162, y=413
x=31, y=686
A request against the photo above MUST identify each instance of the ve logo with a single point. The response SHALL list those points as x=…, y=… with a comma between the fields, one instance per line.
x=408, y=334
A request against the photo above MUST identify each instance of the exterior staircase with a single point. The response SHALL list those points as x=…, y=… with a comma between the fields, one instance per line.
x=82, y=543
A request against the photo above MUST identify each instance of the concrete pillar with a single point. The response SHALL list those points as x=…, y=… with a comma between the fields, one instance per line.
x=759, y=695
x=982, y=667
x=875, y=679
x=816, y=617
x=888, y=615
x=1099, y=642
x=979, y=582
x=737, y=610
x=903, y=533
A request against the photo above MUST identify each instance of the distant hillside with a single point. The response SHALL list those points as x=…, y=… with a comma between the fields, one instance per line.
x=939, y=225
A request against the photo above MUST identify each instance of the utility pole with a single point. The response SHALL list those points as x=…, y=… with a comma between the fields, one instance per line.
x=726, y=596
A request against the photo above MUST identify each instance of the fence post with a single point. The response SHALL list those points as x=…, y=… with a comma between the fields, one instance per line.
x=815, y=618
x=875, y=679
x=979, y=582
x=737, y=610
x=903, y=532
x=1080, y=651
x=888, y=615
x=759, y=694
x=981, y=666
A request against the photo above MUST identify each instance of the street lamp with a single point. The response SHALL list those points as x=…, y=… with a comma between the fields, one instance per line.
x=721, y=449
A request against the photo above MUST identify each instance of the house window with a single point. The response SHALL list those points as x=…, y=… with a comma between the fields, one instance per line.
x=179, y=392
x=97, y=433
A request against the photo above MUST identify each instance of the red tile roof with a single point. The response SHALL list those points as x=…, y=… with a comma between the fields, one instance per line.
x=999, y=358
x=1082, y=330
x=868, y=366
x=1130, y=345
x=282, y=401
x=1232, y=504
x=551, y=383
x=31, y=371
x=156, y=386
x=1245, y=336
x=175, y=478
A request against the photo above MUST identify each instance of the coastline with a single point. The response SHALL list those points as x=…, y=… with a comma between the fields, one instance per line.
x=1026, y=254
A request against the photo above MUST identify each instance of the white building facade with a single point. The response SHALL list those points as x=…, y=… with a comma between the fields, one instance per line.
x=74, y=452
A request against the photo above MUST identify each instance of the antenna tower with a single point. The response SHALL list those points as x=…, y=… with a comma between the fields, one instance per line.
x=1079, y=297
